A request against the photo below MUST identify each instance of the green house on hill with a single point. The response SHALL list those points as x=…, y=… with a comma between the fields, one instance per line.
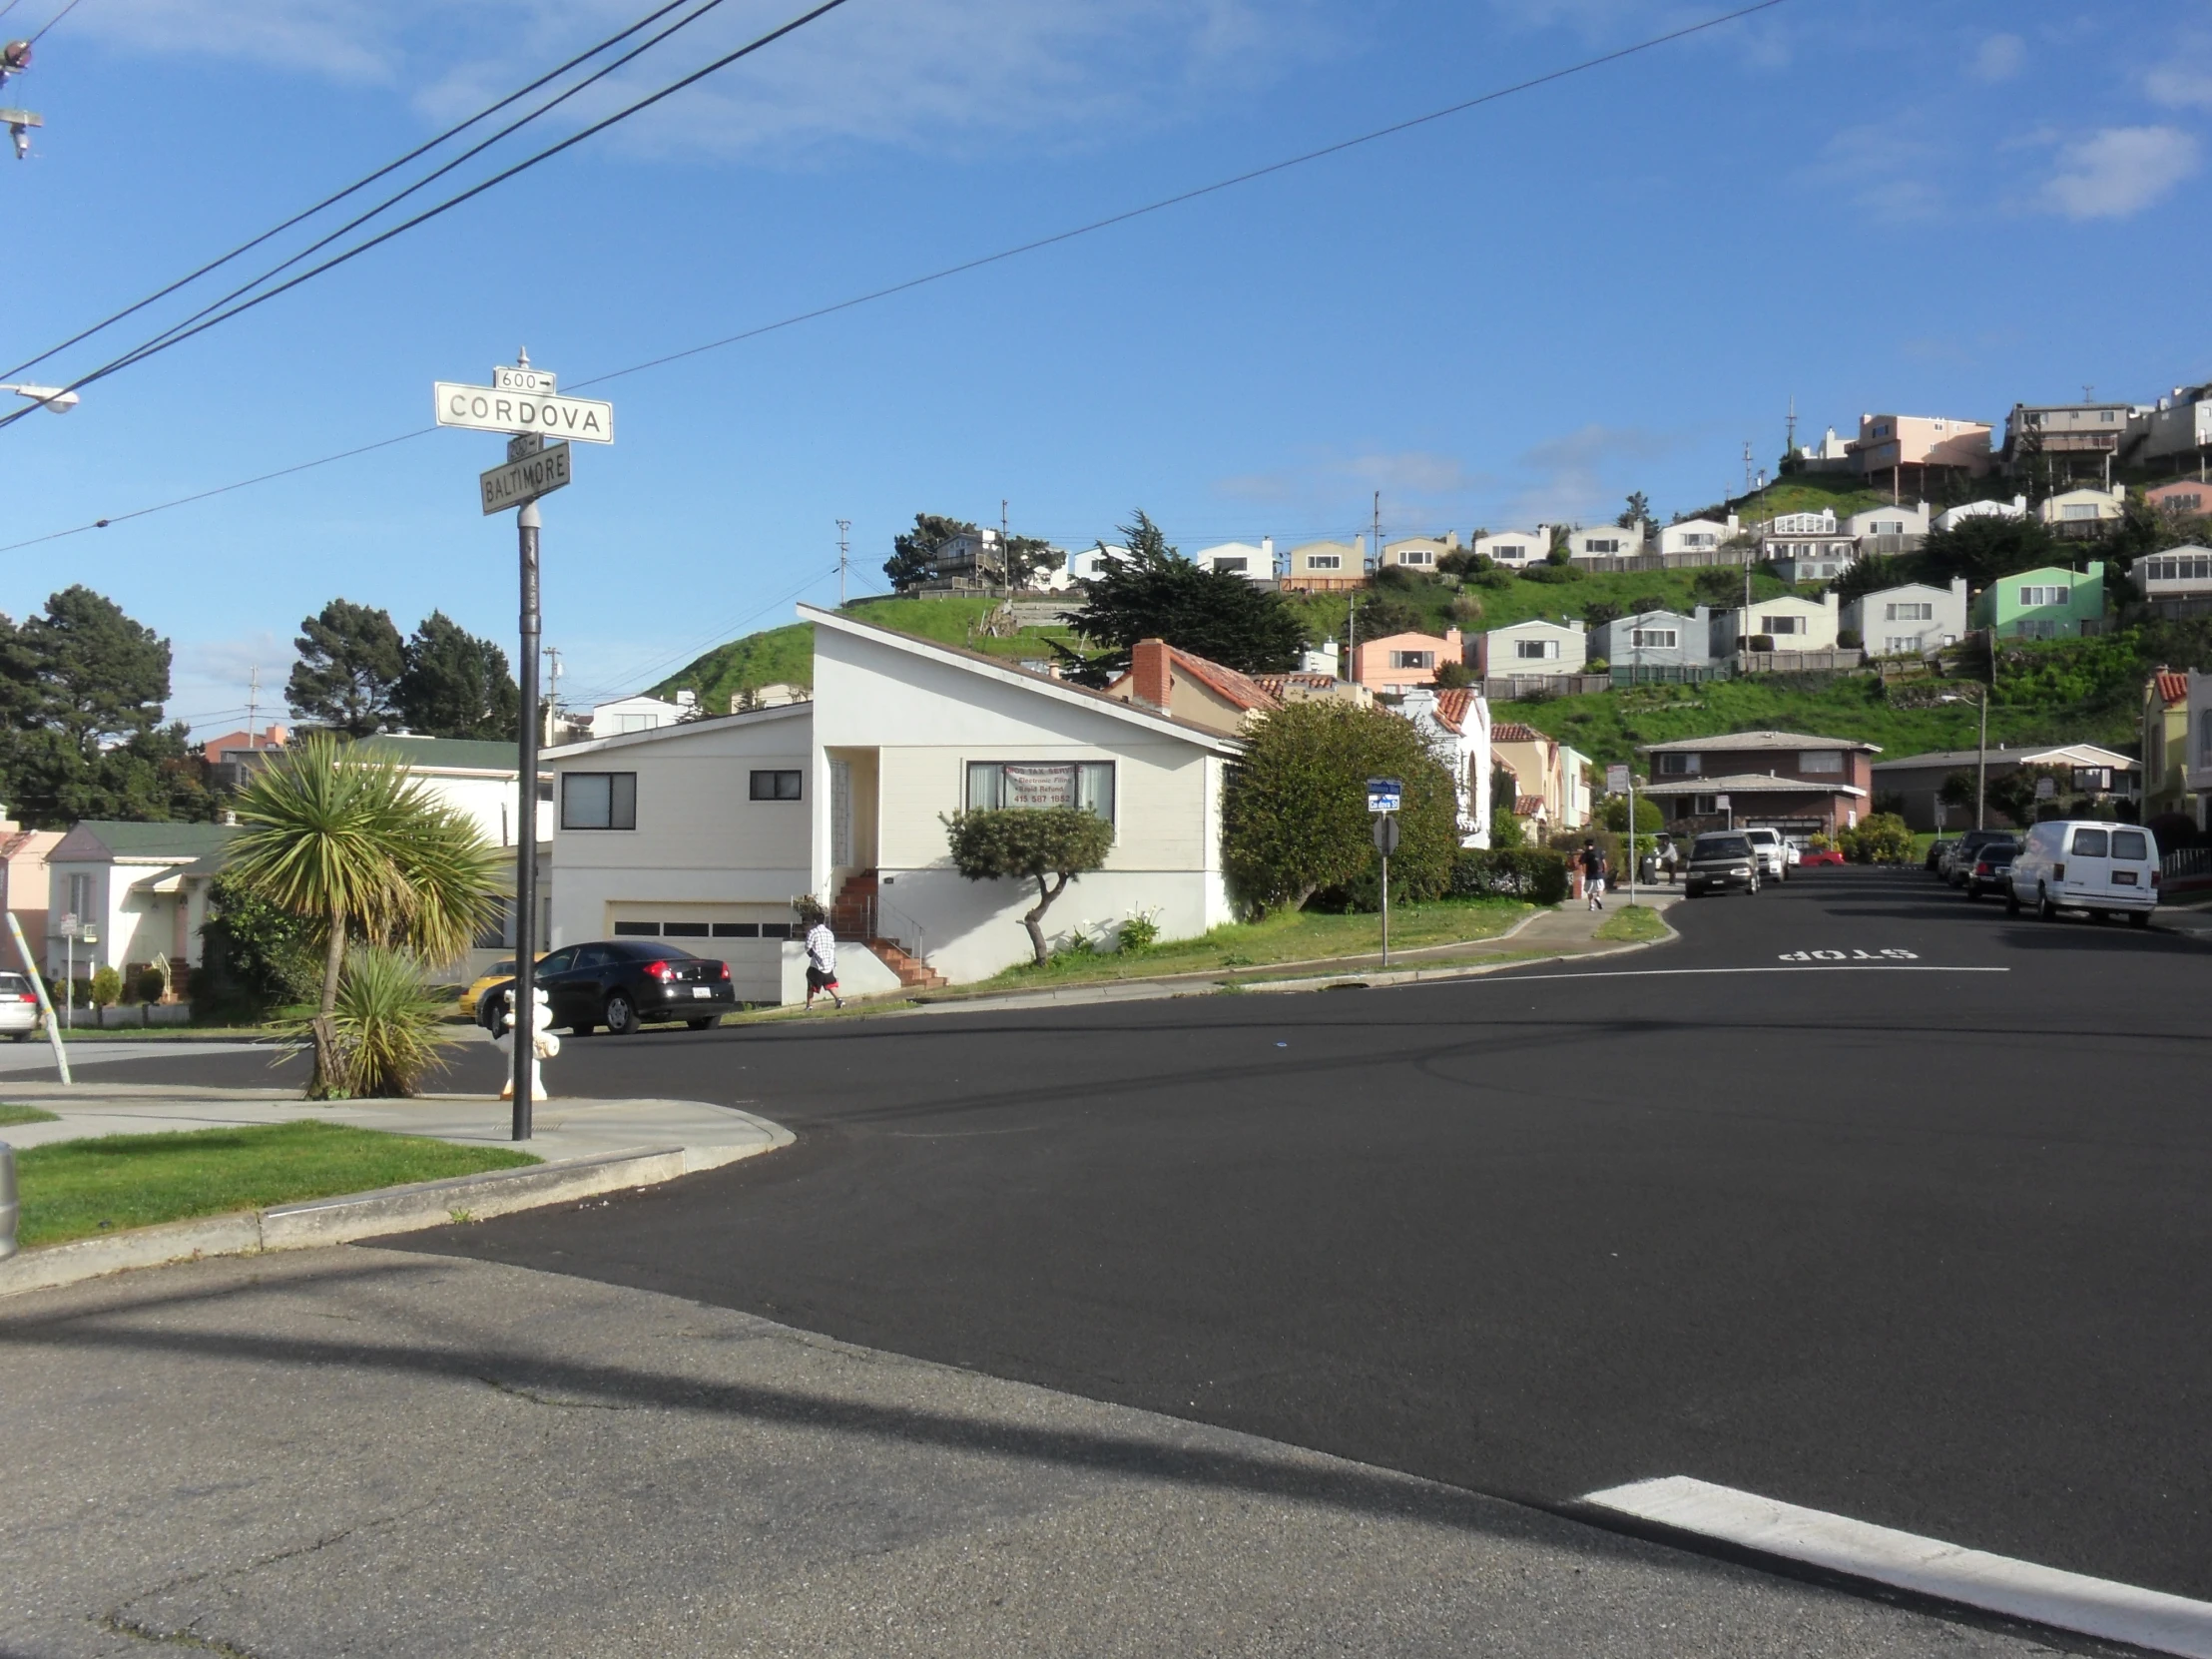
x=2050, y=602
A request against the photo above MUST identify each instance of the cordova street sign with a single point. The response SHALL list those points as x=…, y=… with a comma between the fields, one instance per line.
x=524, y=478
x=491, y=410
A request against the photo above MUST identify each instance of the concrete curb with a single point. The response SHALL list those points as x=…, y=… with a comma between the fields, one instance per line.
x=313, y=1222
x=1470, y=970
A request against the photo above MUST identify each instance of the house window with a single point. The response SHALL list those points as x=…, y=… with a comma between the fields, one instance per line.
x=776, y=786
x=80, y=889
x=1820, y=760
x=1228, y=567
x=1088, y=784
x=1887, y=527
x=599, y=801
x=1509, y=550
x=636, y=722
x=1536, y=651
x=1412, y=658
x=1655, y=639
x=1608, y=544
x=2079, y=510
x=1677, y=764
x=1700, y=538
x=2033, y=596
x=1901, y=642
x=1909, y=612
x=2204, y=753
x=1782, y=625
x=1325, y=561
x=1416, y=556
x=2105, y=415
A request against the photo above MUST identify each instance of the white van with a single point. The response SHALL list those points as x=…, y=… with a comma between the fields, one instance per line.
x=2077, y=864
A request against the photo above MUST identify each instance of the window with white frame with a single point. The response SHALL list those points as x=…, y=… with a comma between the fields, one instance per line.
x=1416, y=556
x=1088, y=784
x=1412, y=658
x=1700, y=538
x=1901, y=642
x=1908, y=611
x=1782, y=625
x=1604, y=544
x=1653, y=639
x=2077, y=509
x=1536, y=651
x=80, y=889
x=599, y=801
x=1509, y=550
x=1887, y=527
x=1325, y=561
x=2043, y=595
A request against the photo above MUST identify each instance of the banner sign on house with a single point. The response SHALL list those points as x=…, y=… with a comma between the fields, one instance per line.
x=1039, y=785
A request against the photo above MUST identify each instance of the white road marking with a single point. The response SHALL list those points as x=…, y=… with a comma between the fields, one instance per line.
x=1507, y=976
x=1997, y=1583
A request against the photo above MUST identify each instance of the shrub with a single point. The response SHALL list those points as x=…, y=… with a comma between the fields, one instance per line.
x=1505, y=830
x=107, y=987
x=1452, y=675
x=257, y=956
x=1496, y=576
x=1139, y=932
x=1762, y=642
x=1294, y=821
x=388, y=1024
x=1539, y=875
x=1467, y=608
x=810, y=909
x=149, y=986
x=1849, y=639
x=1596, y=665
x=1550, y=571
x=1878, y=838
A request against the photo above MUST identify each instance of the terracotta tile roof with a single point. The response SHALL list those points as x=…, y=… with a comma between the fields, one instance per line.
x=1451, y=708
x=2172, y=688
x=1239, y=690
x=1529, y=806
x=1274, y=685
x=1512, y=731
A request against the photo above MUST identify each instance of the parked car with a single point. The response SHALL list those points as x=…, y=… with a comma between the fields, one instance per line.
x=1966, y=850
x=500, y=972
x=18, y=1006
x=2078, y=864
x=624, y=983
x=1936, y=849
x=1823, y=855
x=1772, y=850
x=1721, y=860
x=1991, y=870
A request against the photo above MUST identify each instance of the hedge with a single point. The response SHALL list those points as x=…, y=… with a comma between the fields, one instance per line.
x=1512, y=872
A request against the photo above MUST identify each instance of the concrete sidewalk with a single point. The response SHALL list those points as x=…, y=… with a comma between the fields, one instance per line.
x=711, y=1136
x=376, y=1452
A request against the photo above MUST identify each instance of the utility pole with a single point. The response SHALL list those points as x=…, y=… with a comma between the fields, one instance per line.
x=1377, y=530
x=1352, y=638
x=1981, y=761
x=553, y=692
x=845, y=550
x=253, y=703
x=1005, y=553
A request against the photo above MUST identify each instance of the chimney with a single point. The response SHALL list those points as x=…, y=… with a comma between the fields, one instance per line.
x=1155, y=679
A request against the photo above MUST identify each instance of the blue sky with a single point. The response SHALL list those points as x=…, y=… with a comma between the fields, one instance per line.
x=1604, y=285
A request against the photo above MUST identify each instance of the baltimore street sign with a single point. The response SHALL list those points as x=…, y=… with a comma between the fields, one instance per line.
x=488, y=409
x=525, y=478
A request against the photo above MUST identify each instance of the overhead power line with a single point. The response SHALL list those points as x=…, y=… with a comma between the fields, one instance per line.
x=56, y=18
x=176, y=337
x=147, y=348
x=978, y=262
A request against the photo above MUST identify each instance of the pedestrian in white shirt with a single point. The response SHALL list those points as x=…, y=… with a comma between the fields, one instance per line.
x=822, y=963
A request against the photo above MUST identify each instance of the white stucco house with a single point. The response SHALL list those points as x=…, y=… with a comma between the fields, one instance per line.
x=1913, y=617
x=1456, y=725
x=1790, y=622
x=1240, y=558
x=1695, y=535
x=140, y=887
x=1608, y=541
x=1952, y=517
x=1515, y=548
x=708, y=830
x=640, y=712
x=1534, y=649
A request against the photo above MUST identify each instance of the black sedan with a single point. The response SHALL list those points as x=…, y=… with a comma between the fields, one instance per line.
x=1989, y=869
x=624, y=983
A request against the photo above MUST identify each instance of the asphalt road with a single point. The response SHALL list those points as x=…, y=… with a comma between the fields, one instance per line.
x=1874, y=1235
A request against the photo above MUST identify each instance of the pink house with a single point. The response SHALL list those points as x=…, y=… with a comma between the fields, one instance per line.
x=2183, y=495
x=1908, y=452
x=1398, y=661
x=23, y=885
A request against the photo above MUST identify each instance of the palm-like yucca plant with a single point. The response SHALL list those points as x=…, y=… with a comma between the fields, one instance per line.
x=389, y=1023
x=351, y=841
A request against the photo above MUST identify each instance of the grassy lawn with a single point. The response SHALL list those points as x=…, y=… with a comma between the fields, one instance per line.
x=79, y=1188
x=172, y=1033
x=23, y=1114
x=1293, y=936
x=1632, y=925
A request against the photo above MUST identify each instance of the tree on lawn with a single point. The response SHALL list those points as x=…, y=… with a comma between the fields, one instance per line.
x=80, y=734
x=350, y=661
x=351, y=843
x=1156, y=593
x=455, y=685
x=1050, y=845
x=914, y=557
x=1294, y=822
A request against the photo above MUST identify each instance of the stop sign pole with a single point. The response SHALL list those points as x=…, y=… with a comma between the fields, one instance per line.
x=521, y=401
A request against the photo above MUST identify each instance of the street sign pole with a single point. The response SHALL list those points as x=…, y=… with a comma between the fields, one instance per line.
x=37, y=976
x=1383, y=797
x=1388, y=838
x=524, y=403
x=526, y=844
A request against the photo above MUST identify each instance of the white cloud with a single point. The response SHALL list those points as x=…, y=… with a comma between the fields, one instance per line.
x=2182, y=78
x=1891, y=171
x=1999, y=58
x=1584, y=475
x=209, y=679
x=1415, y=485
x=2119, y=171
x=936, y=73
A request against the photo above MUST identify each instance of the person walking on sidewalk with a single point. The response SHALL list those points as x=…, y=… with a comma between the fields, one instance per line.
x=1593, y=873
x=822, y=961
